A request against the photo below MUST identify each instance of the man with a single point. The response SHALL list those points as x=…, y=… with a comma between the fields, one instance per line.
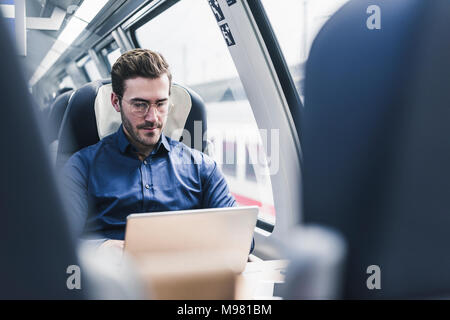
x=138, y=169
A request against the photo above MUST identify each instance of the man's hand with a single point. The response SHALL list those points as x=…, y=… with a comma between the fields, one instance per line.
x=112, y=244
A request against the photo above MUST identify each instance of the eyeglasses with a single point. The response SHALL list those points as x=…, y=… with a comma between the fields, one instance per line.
x=140, y=108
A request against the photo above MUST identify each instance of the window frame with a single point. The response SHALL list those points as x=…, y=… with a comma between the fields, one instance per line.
x=81, y=66
x=104, y=58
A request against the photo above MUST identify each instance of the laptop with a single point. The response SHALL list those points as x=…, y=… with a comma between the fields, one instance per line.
x=220, y=234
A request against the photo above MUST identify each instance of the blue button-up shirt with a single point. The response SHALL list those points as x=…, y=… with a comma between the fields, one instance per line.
x=106, y=182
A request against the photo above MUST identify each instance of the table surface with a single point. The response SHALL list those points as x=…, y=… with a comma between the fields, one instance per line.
x=258, y=279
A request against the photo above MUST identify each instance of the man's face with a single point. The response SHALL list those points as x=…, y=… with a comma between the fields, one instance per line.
x=143, y=131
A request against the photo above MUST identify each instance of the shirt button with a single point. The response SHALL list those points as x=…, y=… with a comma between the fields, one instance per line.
x=147, y=186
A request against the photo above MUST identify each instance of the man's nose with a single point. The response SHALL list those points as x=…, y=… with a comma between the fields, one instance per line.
x=151, y=115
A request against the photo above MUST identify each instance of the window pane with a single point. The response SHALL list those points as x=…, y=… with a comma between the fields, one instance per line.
x=296, y=24
x=92, y=71
x=110, y=54
x=250, y=173
x=229, y=158
x=67, y=82
x=199, y=58
x=113, y=56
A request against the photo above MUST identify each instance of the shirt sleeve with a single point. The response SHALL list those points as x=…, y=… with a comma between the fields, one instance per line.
x=216, y=193
x=74, y=182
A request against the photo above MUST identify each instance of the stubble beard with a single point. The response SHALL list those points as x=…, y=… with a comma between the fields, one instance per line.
x=134, y=132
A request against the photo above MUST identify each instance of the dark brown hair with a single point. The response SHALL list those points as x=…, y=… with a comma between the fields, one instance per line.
x=138, y=63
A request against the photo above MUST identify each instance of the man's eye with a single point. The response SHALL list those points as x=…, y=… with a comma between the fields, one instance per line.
x=140, y=105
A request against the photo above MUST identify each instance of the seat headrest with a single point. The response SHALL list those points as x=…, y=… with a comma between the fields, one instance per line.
x=37, y=232
x=56, y=115
x=90, y=117
x=109, y=120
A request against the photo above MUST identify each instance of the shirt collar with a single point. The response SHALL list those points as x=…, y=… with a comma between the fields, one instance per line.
x=163, y=140
x=123, y=141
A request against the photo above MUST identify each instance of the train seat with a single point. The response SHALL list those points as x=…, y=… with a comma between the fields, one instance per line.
x=37, y=234
x=376, y=145
x=90, y=117
x=55, y=117
x=56, y=114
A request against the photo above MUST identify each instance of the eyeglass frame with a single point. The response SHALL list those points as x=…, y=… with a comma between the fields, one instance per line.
x=149, y=104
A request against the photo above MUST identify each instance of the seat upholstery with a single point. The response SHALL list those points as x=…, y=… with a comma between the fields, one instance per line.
x=90, y=117
x=376, y=144
x=56, y=115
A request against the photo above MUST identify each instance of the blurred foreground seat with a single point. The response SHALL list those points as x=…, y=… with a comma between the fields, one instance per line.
x=376, y=144
x=35, y=243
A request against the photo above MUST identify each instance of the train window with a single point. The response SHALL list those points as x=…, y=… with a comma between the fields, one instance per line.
x=67, y=82
x=250, y=173
x=199, y=58
x=113, y=56
x=229, y=158
x=110, y=54
x=296, y=24
x=89, y=68
x=92, y=70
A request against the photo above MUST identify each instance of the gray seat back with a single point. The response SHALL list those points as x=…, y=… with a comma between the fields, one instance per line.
x=376, y=144
x=35, y=242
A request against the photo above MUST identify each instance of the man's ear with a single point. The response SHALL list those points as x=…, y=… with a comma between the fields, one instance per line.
x=115, y=101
